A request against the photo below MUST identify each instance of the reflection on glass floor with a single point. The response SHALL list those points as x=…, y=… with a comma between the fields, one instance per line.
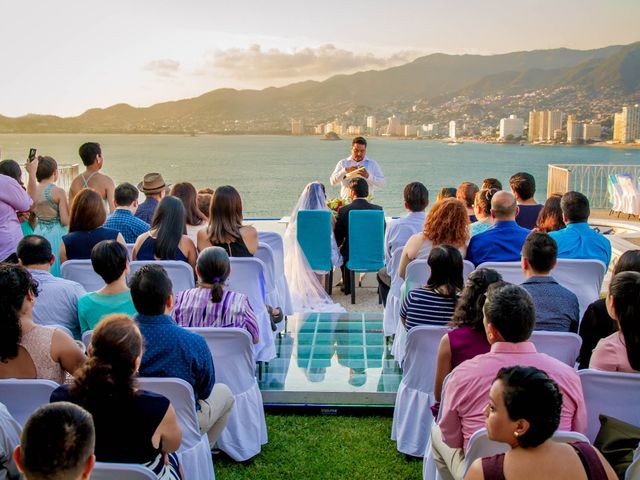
x=332, y=359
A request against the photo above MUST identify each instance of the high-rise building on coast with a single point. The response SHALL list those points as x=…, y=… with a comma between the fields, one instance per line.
x=626, y=124
x=512, y=126
x=411, y=130
x=297, y=127
x=592, y=132
x=535, y=120
x=574, y=130
x=452, y=129
x=544, y=126
x=371, y=125
x=394, y=128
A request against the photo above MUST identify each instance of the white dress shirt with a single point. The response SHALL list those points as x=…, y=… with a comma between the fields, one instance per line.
x=399, y=231
x=376, y=177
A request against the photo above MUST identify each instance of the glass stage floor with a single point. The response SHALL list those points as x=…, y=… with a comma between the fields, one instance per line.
x=331, y=359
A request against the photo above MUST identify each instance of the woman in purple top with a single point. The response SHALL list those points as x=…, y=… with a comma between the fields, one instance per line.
x=209, y=304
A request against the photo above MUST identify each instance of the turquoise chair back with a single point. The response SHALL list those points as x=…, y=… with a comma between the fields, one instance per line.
x=366, y=240
x=314, y=237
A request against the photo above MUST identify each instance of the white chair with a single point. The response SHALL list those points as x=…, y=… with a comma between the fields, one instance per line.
x=582, y=277
x=392, y=308
x=23, y=397
x=275, y=241
x=610, y=393
x=615, y=192
x=511, y=271
x=121, y=471
x=272, y=294
x=412, y=417
x=130, y=250
x=630, y=194
x=633, y=472
x=563, y=346
x=86, y=338
x=180, y=273
x=232, y=352
x=247, y=276
x=418, y=272
x=194, y=452
x=81, y=271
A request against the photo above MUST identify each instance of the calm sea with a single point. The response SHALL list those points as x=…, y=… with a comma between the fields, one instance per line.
x=271, y=171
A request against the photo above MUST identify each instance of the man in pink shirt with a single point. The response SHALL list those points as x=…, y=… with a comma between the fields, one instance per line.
x=509, y=318
x=14, y=199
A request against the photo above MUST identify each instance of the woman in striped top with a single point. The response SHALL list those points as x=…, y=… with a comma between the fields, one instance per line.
x=209, y=304
x=435, y=302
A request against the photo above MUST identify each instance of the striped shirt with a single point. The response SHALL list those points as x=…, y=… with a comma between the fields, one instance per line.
x=426, y=307
x=194, y=308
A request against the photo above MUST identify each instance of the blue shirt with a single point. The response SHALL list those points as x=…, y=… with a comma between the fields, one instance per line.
x=127, y=224
x=501, y=243
x=146, y=210
x=172, y=351
x=557, y=308
x=580, y=241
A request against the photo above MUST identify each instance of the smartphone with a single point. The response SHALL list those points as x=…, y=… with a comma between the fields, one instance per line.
x=32, y=155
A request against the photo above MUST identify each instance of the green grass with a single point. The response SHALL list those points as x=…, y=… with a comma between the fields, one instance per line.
x=310, y=447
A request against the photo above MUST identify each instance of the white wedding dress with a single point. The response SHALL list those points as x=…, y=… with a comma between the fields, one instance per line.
x=307, y=294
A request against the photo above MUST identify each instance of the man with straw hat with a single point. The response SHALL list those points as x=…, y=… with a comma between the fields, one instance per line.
x=154, y=188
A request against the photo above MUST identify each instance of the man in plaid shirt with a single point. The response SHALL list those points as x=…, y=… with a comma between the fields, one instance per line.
x=122, y=218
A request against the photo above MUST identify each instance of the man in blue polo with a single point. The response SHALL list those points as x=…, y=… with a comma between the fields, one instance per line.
x=502, y=242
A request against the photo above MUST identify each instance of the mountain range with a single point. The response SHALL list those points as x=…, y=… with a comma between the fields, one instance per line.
x=599, y=80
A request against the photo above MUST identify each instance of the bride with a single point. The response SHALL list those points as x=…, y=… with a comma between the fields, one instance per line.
x=307, y=293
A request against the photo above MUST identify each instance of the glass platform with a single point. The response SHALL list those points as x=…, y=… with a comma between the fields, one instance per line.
x=331, y=359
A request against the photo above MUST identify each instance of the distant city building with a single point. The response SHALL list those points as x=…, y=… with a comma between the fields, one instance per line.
x=394, y=128
x=574, y=130
x=371, y=125
x=319, y=130
x=431, y=130
x=354, y=130
x=513, y=126
x=592, y=132
x=452, y=129
x=545, y=126
x=411, y=130
x=297, y=127
x=626, y=124
x=329, y=127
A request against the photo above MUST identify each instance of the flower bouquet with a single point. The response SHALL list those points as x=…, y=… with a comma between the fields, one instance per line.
x=335, y=203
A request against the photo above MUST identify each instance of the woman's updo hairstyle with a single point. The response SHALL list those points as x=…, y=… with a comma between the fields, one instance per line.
x=214, y=268
x=469, y=307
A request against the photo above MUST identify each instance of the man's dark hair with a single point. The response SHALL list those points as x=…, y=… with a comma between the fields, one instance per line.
x=125, y=195
x=575, y=206
x=466, y=193
x=56, y=442
x=34, y=250
x=88, y=152
x=359, y=186
x=541, y=251
x=150, y=289
x=359, y=141
x=109, y=259
x=489, y=183
x=510, y=310
x=47, y=166
x=523, y=184
x=416, y=196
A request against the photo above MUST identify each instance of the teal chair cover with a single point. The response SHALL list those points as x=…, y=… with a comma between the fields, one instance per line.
x=314, y=237
x=366, y=244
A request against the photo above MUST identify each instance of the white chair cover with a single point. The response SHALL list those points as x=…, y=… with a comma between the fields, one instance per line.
x=582, y=277
x=633, y=472
x=275, y=241
x=412, y=417
x=86, y=338
x=121, y=471
x=392, y=308
x=630, y=194
x=563, y=346
x=610, y=393
x=81, y=271
x=180, y=273
x=194, y=452
x=247, y=276
x=246, y=430
x=617, y=195
x=130, y=250
x=23, y=397
x=272, y=294
x=511, y=271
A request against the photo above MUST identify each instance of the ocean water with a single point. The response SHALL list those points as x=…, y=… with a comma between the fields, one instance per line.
x=271, y=171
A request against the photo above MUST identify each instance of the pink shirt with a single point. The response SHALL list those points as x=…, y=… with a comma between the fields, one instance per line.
x=611, y=355
x=466, y=393
x=12, y=198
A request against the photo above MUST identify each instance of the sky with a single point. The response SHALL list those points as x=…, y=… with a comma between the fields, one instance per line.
x=67, y=56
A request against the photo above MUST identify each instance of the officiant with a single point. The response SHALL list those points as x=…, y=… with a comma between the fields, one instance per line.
x=357, y=164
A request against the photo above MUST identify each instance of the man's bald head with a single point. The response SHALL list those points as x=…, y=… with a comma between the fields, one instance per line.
x=504, y=206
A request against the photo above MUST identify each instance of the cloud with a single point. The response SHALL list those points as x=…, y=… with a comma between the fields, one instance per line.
x=164, y=67
x=255, y=62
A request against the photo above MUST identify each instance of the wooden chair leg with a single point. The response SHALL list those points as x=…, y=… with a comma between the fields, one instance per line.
x=353, y=287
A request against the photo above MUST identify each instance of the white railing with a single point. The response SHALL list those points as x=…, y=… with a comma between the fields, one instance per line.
x=591, y=180
x=66, y=174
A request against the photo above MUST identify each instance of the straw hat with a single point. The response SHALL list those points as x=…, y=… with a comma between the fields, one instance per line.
x=152, y=183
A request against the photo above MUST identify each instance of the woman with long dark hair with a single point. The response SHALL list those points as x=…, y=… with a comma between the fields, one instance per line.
x=166, y=239
x=132, y=426
x=550, y=217
x=194, y=218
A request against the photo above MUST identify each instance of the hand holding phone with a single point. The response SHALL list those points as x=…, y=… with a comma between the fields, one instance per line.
x=32, y=155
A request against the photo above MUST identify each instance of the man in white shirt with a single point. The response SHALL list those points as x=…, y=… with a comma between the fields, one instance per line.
x=358, y=160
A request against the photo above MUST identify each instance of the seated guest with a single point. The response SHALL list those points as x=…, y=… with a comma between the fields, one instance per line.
x=195, y=219
x=28, y=350
x=578, y=240
x=482, y=208
x=416, y=199
x=86, y=228
x=57, y=443
x=550, y=217
x=523, y=187
x=204, y=205
x=447, y=222
x=434, y=303
x=173, y=351
x=132, y=425
x=446, y=192
x=225, y=227
x=503, y=242
x=509, y=318
x=91, y=155
x=110, y=260
x=524, y=411
x=557, y=308
x=9, y=439
x=467, y=338
x=491, y=184
x=166, y=240
x=210, y=304
x=466, y=193
x=620, y=351
x=154, y=188
x=57, y=304
x=596, y=322
x=122, y=218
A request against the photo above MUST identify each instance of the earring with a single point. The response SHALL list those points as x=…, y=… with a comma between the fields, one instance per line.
x=516, y=434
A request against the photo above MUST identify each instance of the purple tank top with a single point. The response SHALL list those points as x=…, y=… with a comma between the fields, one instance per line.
x=466, y=343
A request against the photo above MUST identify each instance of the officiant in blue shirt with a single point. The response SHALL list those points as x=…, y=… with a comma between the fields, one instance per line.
x=358, y=160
